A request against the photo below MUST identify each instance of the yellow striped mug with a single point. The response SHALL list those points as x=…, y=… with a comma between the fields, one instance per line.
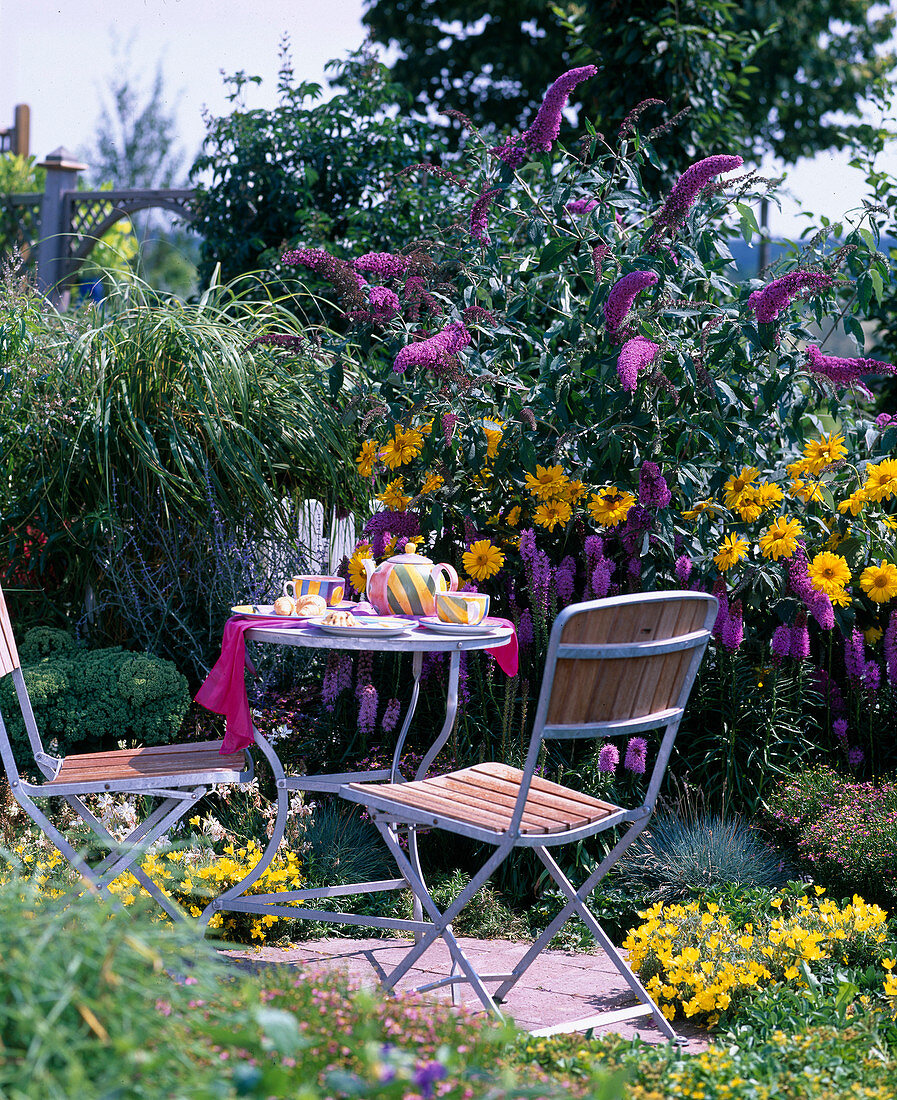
x=311, y=584
x=464, y=608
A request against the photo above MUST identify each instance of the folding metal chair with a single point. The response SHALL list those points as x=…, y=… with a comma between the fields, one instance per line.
x=614, y=667
x=177, y=775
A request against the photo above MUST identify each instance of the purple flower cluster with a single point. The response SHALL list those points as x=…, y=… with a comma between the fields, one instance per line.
x=382, y=264
x=635, y=355
x=890, y=647
x=367, y=708
x=883, y=420
x=384, y=303
x=817, y=603
x=636, y=755
x=622, y=295
x=732, y=627
x=653, y=490
x=845, y=372
x=337, y=679
x=689, y=185
x=682, y=569
x=768, y=302
x=525, y=634
x=580, y=206
x=547, y=124
x=854, y=655
x=538, y=570
x=381, y=527
x=476, y=315
x=599, y=569
x=391, y=715
x=434, y=350
x=792, y=641
x=565, y=581
x=288, y=341
x=417, y=297
x=511, y=151
x=449, y=420
x=479, y=215
x=608, y=758
x=600, y=252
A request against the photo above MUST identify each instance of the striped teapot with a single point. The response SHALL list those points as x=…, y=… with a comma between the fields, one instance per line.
x=406, y=584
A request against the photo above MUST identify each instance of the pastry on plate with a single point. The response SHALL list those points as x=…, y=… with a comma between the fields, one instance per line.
x=284, y=606
x=310, y=605
x=339, y=618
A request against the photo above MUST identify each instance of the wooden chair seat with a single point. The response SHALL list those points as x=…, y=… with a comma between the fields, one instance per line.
x=158, y=761
x=484, y=795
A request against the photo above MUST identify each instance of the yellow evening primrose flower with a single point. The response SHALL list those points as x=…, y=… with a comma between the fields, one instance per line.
x=610, y=507
x=393, y=497
x=482, y=560
x=879, y=582
x=549, y=482
x=551, y=513
x=779, y=540
x=881, y=480
x=828, y=573
x=823, y=452
x=432, y=482
x=732, y=550
x=735, y=486
x=367, y=456
x=402, y=448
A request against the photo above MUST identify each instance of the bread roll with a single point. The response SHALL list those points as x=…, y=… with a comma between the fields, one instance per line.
x=284, y=606
x=310, y=605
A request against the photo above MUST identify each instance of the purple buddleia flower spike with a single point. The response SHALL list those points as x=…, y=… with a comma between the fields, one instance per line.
x=580, y=206
x=384, y=303
x=653, y=490
x=682, y=569
x=511, y=152
x=635, y=355
x=479, y=215
x=890, y=648
x=689, y=185
x=622, y=294
x=608, y=758
x=845, y=372
x=382, y=264
x=449, y=420
x=547, y=124
x=768, y=302
x=434, y=350
x=636, y=755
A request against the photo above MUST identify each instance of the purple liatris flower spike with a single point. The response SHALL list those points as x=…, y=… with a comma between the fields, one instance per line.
x=479, y=215
x=635, y=355
x=525, y=628
x=527, y=545
x=781, y=641
x=800, y=641
x=653, y=490
x=872, y=676
x=845, y=372
x=689, y=185
x=601, y=575
x=821, y=608
x=855, y=756
x=608, y=758
x=768, y=302
x=367, y=709
x=622, y=294
x=839, y=727
x=890, y=648
x=732, y=633
x=434, y=350
x=682, y=569
x=636, y=755
x=547, y=123
x=854, y=655
x=390, y=715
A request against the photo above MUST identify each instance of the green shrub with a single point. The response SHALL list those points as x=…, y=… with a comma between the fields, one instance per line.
x=90, y=700
x=844, y=832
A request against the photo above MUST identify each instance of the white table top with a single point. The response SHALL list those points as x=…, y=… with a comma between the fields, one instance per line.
x=415, y=639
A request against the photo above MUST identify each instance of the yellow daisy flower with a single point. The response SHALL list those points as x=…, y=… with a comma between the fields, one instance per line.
x=823, y=452
x=549, y=482
x=840, y=597
x=735, y=486
x=749, y=506
x=402, y=448
x=881, y=480
x=828, y=572
x=768, y=494
x=513, y=517
x=610, y=507
x=879, y=582
x=482, y=560
x=494, y=430
x=357, y=576
x=874, y=633
x=779, y=540
x=700, y=506
x=367, y=456
x=808, y=491
x=551, y=513
x=432, y=482
x=393, y=497
x=732, y=550
x=854, y=504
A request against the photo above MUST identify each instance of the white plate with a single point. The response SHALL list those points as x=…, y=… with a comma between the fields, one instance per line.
x=381, y=626
x=431, y=622
x=266, y=611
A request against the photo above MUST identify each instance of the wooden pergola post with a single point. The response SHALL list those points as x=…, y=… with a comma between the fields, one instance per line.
x=62, y=176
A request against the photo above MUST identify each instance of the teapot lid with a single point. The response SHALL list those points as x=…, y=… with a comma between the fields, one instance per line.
x=411, y=556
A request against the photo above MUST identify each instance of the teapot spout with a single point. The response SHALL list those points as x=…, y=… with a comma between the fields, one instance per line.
x=369, y=566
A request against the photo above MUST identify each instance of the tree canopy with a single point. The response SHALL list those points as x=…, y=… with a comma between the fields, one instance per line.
x=760, y=75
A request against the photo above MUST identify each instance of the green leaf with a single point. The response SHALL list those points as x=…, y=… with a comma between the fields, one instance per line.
x=554, y=252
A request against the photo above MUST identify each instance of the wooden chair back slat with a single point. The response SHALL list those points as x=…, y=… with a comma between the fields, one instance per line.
x=614, y=689
x=9, y=657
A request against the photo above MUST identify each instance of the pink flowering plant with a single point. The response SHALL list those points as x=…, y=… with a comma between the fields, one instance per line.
x=576, y=397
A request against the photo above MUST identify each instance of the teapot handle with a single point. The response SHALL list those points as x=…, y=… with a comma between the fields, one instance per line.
x=444, y=567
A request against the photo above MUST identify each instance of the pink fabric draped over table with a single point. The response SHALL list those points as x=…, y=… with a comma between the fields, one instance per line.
x=224, y=689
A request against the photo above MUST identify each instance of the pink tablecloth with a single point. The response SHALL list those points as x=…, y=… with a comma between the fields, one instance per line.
x=224, y=689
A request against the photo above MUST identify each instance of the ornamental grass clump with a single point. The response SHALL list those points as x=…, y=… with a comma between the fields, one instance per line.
x=697, y=962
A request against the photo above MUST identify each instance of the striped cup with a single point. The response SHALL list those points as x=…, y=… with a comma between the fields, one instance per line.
x=331, y=588
x=464, y=608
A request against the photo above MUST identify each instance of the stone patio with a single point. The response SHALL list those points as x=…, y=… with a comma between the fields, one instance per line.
x=559, y=987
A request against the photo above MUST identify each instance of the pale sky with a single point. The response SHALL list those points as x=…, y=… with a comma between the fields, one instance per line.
x=56, y=57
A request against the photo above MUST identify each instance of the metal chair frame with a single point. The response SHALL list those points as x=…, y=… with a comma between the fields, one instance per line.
x=179, y=775
x=389, y=805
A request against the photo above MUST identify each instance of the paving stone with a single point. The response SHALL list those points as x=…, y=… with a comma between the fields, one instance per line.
x=559, y=987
